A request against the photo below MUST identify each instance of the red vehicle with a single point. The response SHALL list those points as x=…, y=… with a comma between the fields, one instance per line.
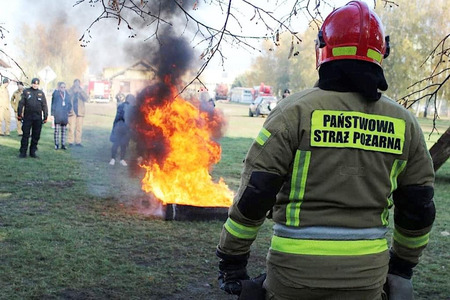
x=221, y=91
x=262, y=90
x=99, y=91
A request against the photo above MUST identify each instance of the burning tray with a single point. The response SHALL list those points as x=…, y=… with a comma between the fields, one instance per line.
x=178, y=212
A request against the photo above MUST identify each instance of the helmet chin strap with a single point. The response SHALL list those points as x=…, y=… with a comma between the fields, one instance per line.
x=388, y=47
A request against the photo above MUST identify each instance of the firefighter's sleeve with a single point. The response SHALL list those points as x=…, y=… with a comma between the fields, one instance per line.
x=266, y=164
x=414, y=211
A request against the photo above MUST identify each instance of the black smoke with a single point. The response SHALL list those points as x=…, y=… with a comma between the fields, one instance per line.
x=171, y=56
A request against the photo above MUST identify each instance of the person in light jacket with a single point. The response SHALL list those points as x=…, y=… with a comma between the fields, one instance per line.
x=78, y=99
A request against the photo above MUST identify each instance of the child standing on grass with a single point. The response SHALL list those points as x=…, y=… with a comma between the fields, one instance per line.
x=120, y=135
x=61, y=107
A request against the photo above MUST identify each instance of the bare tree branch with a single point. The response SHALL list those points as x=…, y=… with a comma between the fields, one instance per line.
x=119, y=10
x=3, y=32
x=146, y=14
x=440, y=53
x=212, y=38
x=215, y=49
x=433, y=83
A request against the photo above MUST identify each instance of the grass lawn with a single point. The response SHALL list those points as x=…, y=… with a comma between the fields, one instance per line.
x=69, y=227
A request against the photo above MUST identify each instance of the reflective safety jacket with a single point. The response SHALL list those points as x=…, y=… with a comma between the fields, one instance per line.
x=340, y=158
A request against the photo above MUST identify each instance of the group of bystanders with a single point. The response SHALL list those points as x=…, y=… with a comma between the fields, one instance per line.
x=31, y=110
x=68, y=111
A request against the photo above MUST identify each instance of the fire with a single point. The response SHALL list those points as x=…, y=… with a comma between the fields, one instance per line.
x=183, y=134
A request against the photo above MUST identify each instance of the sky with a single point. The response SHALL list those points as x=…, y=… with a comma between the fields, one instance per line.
x=112, y=47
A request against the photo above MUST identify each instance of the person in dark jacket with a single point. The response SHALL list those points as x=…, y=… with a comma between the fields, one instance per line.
x=33, y=112
x=61, y=106
x=120, y=135
x=120, y=97
x=286, y=93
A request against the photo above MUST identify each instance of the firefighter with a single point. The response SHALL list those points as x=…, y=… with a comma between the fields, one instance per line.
x=327, y=165
x=15, y=98
x=4, y=107
x=33, y=112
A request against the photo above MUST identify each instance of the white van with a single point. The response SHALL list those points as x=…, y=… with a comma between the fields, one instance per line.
x=241, y=95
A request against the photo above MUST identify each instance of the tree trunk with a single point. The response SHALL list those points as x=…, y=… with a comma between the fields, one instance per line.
x=440, y=151
x=425, y=110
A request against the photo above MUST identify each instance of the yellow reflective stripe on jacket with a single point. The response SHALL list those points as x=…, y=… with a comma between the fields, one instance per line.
x=241, y=231
x=327, y=247
x=298, y=184
x=411, y=242
x=385, y=213
x=397, y=168
x=263, y=136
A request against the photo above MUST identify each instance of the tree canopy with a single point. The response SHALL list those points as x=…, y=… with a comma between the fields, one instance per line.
x=51, y=44
x=416, y=69
x=412, y=70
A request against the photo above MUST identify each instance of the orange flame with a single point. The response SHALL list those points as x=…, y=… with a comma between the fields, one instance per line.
x=182, y=177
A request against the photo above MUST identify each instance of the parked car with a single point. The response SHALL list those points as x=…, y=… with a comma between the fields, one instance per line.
x=262, y=105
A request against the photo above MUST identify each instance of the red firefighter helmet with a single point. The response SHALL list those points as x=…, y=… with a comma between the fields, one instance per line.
x=352, y=32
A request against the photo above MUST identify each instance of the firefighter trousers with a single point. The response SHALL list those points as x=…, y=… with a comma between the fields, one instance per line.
x=277, y=290
x=6, y=117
